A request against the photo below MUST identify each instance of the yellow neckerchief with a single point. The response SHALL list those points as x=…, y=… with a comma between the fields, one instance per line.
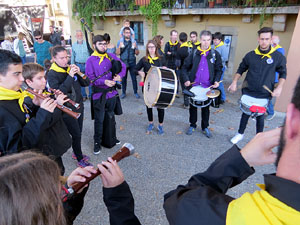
x=6, y=94
x=58, y=69
x=277, y=47
x=257, y=52
x=260, y=208
x=151, y=59
x=203, y=52
x=219, y=45
x=197, y=43
x=186, y=44
x=171, y=44
x=162, y=50
x=101, y=56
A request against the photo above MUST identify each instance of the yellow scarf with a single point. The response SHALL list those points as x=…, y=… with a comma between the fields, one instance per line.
x=277, y=47
x=197, y=43
x=186, y=44
x=257, y=52
x=260, y=208
x=101, y=56
x=170, y=42
x=151, y=59
x=203, y=52
x=58, y=69
x=162, y=50
x=6, y=94
x=219, y=45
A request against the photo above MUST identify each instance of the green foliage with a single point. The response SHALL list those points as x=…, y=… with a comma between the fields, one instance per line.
x=86, y=9
x=153, y=10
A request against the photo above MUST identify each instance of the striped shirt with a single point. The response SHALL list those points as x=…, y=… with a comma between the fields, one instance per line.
x=80, y=53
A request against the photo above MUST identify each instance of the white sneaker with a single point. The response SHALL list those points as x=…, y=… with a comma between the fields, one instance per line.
x=238, y=137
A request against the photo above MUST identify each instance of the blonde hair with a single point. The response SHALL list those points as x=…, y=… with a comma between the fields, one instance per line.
x=21, y=36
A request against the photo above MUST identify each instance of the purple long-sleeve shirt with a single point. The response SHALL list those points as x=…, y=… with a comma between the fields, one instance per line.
x=93, y=70
x=202, y=75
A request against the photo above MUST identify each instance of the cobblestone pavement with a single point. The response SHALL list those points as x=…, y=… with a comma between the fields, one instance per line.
x=163, y=162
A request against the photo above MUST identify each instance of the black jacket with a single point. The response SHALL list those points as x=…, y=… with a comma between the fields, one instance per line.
x=17, y=135
x=191, y=63
x=70, y=86
x=55, y=140
x=261, y=73
x=204, y=201
x=172, y=57
x=118, y=200
x=182, y=53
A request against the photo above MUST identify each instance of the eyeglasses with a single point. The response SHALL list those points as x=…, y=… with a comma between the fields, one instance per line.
x=103, y=43
x=151, y=46
x=38, y=38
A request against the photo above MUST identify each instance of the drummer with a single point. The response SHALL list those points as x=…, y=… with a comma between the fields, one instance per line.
x=261, y=63
x=203, y=67
x=152, y=58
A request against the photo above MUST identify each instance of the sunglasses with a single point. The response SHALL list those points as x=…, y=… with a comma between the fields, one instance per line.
x=38, y=38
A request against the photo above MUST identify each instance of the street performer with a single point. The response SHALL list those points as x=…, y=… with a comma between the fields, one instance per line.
x=262, y=63
x=66, y=78
x=202, y=67
x=104, y=90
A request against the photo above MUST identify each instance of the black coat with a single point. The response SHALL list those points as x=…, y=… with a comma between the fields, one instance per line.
x=68, y=85
x=17, y=135
x=191, y=63
x=172, y=57
x=55, y=140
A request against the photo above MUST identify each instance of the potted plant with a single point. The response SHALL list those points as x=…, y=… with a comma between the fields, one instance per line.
x=211, y=3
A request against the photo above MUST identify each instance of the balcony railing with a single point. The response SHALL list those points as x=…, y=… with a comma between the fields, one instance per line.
x=121, y=5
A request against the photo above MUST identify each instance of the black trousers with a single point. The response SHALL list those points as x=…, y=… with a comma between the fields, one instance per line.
x=160, y=112
x=204, y=116
x=75, y=128
x=260, y=123
x=60, y=164
x=99, y=112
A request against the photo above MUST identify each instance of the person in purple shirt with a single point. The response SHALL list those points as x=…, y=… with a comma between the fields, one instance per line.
x=202, y=67
x=105, y=95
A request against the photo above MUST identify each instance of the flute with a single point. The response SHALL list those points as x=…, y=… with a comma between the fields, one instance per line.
x=82, y=75
x=61, y=107
x=126, y=150
x=75, y=104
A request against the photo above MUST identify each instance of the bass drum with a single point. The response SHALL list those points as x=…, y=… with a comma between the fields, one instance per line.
x=160, y=87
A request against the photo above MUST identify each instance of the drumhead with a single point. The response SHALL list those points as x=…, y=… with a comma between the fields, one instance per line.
x=200, y=93
x=250, y=101
x=152, y=86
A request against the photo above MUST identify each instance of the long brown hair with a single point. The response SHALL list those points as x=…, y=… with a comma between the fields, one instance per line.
x=147, y=50
x=29, y=190
x=158, y=39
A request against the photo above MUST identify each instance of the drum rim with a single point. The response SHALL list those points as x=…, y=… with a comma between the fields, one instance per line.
x=159, y=89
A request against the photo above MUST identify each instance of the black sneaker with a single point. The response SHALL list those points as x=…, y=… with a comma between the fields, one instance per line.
x=118, y=142
x=97, y=148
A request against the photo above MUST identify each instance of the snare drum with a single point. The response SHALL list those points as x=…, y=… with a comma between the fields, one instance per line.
x=200, y=100
x=160, y=87
x=253, y=106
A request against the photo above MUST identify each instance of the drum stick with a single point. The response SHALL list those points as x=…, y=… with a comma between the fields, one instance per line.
x=213, y=84
x=265, y=87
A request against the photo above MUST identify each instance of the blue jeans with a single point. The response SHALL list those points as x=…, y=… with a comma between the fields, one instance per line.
x=82, y=69
x=23, y=59
x=270, y=109
x=221, y=87
x=133, y=78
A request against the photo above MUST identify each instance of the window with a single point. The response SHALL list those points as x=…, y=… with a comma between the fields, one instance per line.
x=138, y=28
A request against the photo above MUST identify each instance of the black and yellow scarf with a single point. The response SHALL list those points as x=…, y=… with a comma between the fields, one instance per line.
x=101, y=56
x=257, y=52
x=173, y=44
x=58, y=69
x=186, y=44
x=203, y=52
x=150, y=59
